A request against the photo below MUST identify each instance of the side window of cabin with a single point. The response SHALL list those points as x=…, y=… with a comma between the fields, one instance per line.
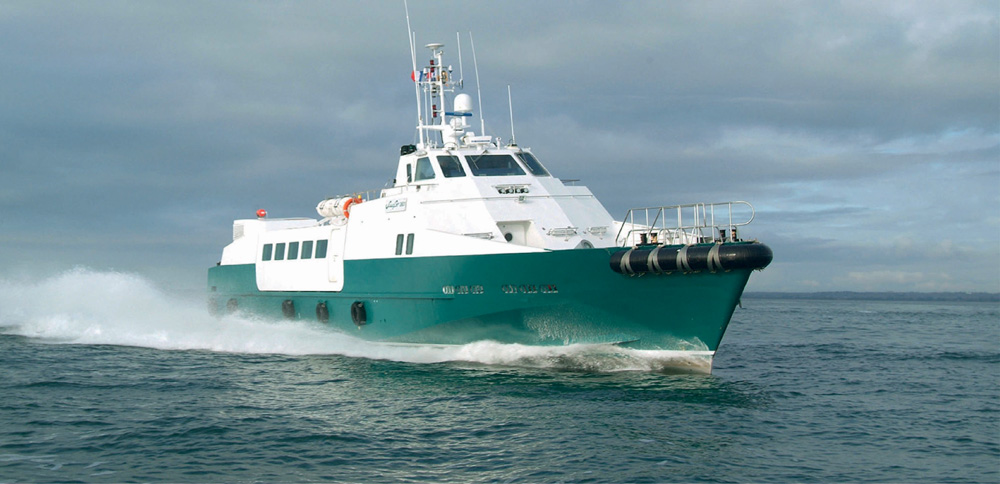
x=307, y=249
x=321, y=249
x=293, y=250
x=450, y=166
x=268, y=249
x=424, y=170
x=279, y=251
x=409, y=173
x=534, y=166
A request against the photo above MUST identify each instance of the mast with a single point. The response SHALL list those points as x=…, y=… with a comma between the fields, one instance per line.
x=436, y=81
x=440, y=125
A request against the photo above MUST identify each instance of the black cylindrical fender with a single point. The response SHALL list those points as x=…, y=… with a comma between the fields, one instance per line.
x=692, y=258
x=322, y=312
x=358, y=313
x=288, y=308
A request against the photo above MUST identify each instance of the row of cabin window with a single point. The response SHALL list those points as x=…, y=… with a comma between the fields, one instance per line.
x=278, y=250
x=480, y=165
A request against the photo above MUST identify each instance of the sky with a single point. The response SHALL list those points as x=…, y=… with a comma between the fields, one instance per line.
x=865, y=134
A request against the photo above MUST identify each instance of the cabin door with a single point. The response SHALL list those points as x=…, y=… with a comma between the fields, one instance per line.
x=336, y=257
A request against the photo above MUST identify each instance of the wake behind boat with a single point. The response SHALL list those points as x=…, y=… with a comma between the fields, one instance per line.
x=476, y=240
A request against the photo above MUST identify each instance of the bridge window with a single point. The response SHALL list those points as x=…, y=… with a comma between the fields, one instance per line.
x=321, y=249
x=494, y=165
x=450, y=166
x=279, y=251
x=424, y=170
x=268, y=249
x=293, y=250
x=534, y=166
x=307, y=249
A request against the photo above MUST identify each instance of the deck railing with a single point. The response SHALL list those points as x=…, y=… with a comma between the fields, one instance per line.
x=685, y=224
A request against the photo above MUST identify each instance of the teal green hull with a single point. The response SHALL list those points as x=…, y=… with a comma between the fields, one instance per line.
x=550, y=298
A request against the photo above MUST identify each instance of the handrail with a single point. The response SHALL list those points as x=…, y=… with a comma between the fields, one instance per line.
x=692, y=221
x=365, y=195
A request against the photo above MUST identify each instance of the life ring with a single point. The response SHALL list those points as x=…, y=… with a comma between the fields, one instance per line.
x=347, y=206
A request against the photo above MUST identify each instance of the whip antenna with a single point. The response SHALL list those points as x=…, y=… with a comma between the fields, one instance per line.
x=479, y=93
x=461, y=73
x=510, y=105
x=411, y=36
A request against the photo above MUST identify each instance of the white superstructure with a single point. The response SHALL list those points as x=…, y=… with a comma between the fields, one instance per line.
x=455, y=193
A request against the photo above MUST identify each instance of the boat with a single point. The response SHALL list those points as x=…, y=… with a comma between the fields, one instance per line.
x=475, y=240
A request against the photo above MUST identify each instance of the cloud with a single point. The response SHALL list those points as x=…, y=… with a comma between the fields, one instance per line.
x=903, y=281
x=865, y=133
x=871, y=279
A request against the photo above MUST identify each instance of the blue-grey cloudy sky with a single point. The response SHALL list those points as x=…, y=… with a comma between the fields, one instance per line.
x=866, y=134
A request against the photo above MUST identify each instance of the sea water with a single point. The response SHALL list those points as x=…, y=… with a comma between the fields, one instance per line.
x=105, y=377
